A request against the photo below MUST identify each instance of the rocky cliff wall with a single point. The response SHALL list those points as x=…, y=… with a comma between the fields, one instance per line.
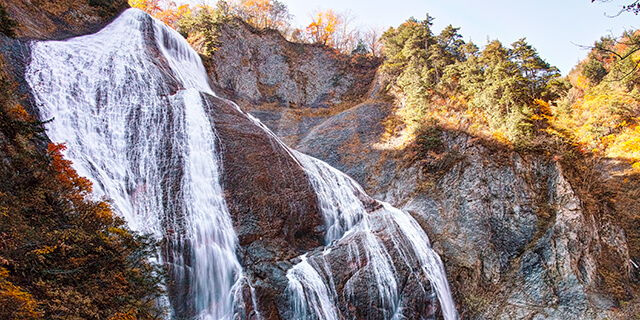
x=274, y=208
x=291, y=87
x=518, y=240
x=272, y=203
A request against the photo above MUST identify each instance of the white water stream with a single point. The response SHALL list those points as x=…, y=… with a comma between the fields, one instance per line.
x=138, y=130
x=126, y=101
x=348, y=223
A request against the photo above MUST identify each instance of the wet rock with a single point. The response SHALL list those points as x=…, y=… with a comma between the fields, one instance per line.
x=347, y=140
x=513, y=233
x=354, y=277
x=271, y=201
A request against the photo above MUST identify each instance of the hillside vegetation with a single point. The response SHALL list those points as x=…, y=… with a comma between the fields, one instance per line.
x=511, y=99
x=505, y=93
x=63, y=254
x=602, y=108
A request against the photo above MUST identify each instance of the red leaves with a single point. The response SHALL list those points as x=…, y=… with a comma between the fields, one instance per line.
x=68, y=177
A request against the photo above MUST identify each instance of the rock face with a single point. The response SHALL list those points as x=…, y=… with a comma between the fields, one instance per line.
x=347, y=141
x=517, y=239
x=51, y=20
x=515, y=236
x=249, y=228
x=272, y=203
x=288, y=86
x=277, y=215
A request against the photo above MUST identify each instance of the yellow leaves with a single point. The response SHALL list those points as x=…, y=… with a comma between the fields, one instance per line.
x=20, y=114
x=16, y=303
x=149, y=6
x=120, y=233
x=169, y=13
x=257, y=12
x=172, y=13
x=542, y=106
x=263, y=14
x=103, y=211
x=581, y=82
x=537, y=117
x=41, y=254
x=501, y=138
x=323, y=27
x=608, y=140
x=44, y=250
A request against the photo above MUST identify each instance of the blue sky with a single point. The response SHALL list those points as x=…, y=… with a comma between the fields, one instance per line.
x=554, y=27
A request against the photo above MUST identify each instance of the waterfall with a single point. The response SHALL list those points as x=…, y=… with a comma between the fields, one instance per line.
x=127, y=101
x=137, y=129
x=349, y=224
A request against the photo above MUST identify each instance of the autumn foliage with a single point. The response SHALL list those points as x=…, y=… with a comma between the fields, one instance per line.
x=263, y=14
x=601, y=111
x=151, y=7
x=200, y=24
x=17, y=303
x=78, y=187
x=169, y=13
x=323, y=27
x=63, y=255
x=173, y=13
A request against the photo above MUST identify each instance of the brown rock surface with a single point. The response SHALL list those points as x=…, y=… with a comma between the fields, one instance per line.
x=272, y=203
x=291, y=87
x=51, y=20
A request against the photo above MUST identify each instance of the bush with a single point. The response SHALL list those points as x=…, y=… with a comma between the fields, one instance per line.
x=594, y=71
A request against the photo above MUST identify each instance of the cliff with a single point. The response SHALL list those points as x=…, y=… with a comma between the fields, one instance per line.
x=291, y=87
x=522, y=235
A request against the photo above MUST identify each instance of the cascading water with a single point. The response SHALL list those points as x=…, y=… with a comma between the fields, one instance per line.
x=127, y=102
x=138, y=130
x=348, y=223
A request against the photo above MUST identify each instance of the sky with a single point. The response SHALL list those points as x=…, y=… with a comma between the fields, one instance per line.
x=556, y=28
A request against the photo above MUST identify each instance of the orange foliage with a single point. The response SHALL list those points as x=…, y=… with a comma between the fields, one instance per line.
x=171, y=15
x=65, y=174
x=16, y=303
x=124, y=316
x=257, y=12
x=323, y=26
x=20, y=114
x=263, y=14
x=151, y=7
